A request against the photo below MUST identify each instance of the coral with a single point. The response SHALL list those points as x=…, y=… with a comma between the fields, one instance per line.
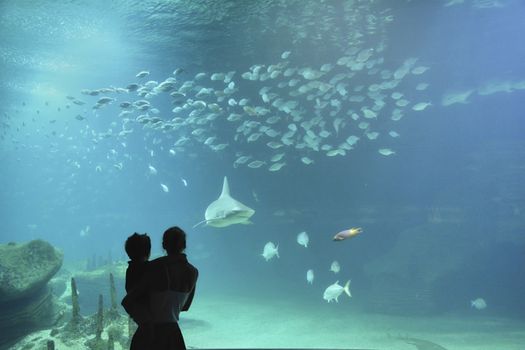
x=100, y=317
x=132, y=328
x=111, y=342
x=97, y=343
x=113, y=311
x=116, y=332
x=75, y=316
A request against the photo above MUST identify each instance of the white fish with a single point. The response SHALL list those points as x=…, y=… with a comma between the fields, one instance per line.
x=393, y=133
x=142, y=74
x=306, y=160
x=396, y=95
x=184, y=182
x=303, y=239
x=451, y=98
x=478, y=304
x=363, y=125
x=276, y=166
x=335, y=267
x=352, y=140
x=419, y=70
x=421, y=106
x=372, y=135
x=402, y=102
x=277, y=157
x=256, y=164
x=310, y=276
x=332, y=292
x=242, y=160
x=335, y=152
x=199, y=76
x=254, y=137
x=85, y=231
x=152, y=170
x=164, y=188
x=386, y=151
x=217, y=76
x=270, y=250
x=285, y=55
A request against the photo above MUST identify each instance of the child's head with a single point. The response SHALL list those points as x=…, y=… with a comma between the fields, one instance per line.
x=138, y=247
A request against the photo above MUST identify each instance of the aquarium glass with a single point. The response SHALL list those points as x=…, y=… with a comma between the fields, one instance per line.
x=349, y=173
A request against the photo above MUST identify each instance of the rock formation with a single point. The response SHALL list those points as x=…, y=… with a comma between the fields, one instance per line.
x=25, y=300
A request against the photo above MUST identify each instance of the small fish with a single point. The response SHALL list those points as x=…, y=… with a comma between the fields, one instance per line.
x=142, y=74
x=184, y=182
x=276, y=166
x=285, y=55
x=152, y=170
x=386, y=151
x=306, y=160
x=303, y=239
x=310, y=276
x=270, y=250
x=419, y=70
x=277, y=157
x=85, y=231
x=256, y=164
x=478, y=304
x=354, y=231
x=335, y=267
x=421, y=106
x=164, y=188
x=332, y=292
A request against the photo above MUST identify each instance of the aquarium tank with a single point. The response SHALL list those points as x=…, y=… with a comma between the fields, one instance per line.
x=350, y=174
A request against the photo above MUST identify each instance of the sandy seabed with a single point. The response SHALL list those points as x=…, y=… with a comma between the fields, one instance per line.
x=215, y=322
x=252, y=322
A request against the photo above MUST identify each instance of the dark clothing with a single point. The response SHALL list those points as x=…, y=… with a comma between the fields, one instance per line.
x=134, y=273
x=169, y=283
x=162, y=336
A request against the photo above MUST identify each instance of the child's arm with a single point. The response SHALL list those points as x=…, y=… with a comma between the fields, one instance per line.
x=130, y=300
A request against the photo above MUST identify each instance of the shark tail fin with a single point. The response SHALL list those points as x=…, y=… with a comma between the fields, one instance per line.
x=347, y=288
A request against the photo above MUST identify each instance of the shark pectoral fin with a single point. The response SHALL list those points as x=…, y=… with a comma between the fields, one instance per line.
x=200, y=223
x=247, y=222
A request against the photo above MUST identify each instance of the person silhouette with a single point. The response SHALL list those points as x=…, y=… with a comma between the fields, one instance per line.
x=138, y=248
x=169, y=283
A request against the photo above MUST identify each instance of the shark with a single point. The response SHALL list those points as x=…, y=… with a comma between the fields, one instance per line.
x=226, y=211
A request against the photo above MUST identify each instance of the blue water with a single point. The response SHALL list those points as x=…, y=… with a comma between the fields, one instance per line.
x=457, y=175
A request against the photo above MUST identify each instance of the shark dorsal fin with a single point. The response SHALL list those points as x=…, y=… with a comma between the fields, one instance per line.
x=225, y=188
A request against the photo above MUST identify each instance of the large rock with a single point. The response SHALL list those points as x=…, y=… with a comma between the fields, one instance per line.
x=26, y=268
x=25, y=300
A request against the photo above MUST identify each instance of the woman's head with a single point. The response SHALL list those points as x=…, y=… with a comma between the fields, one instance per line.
x=174, y=240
